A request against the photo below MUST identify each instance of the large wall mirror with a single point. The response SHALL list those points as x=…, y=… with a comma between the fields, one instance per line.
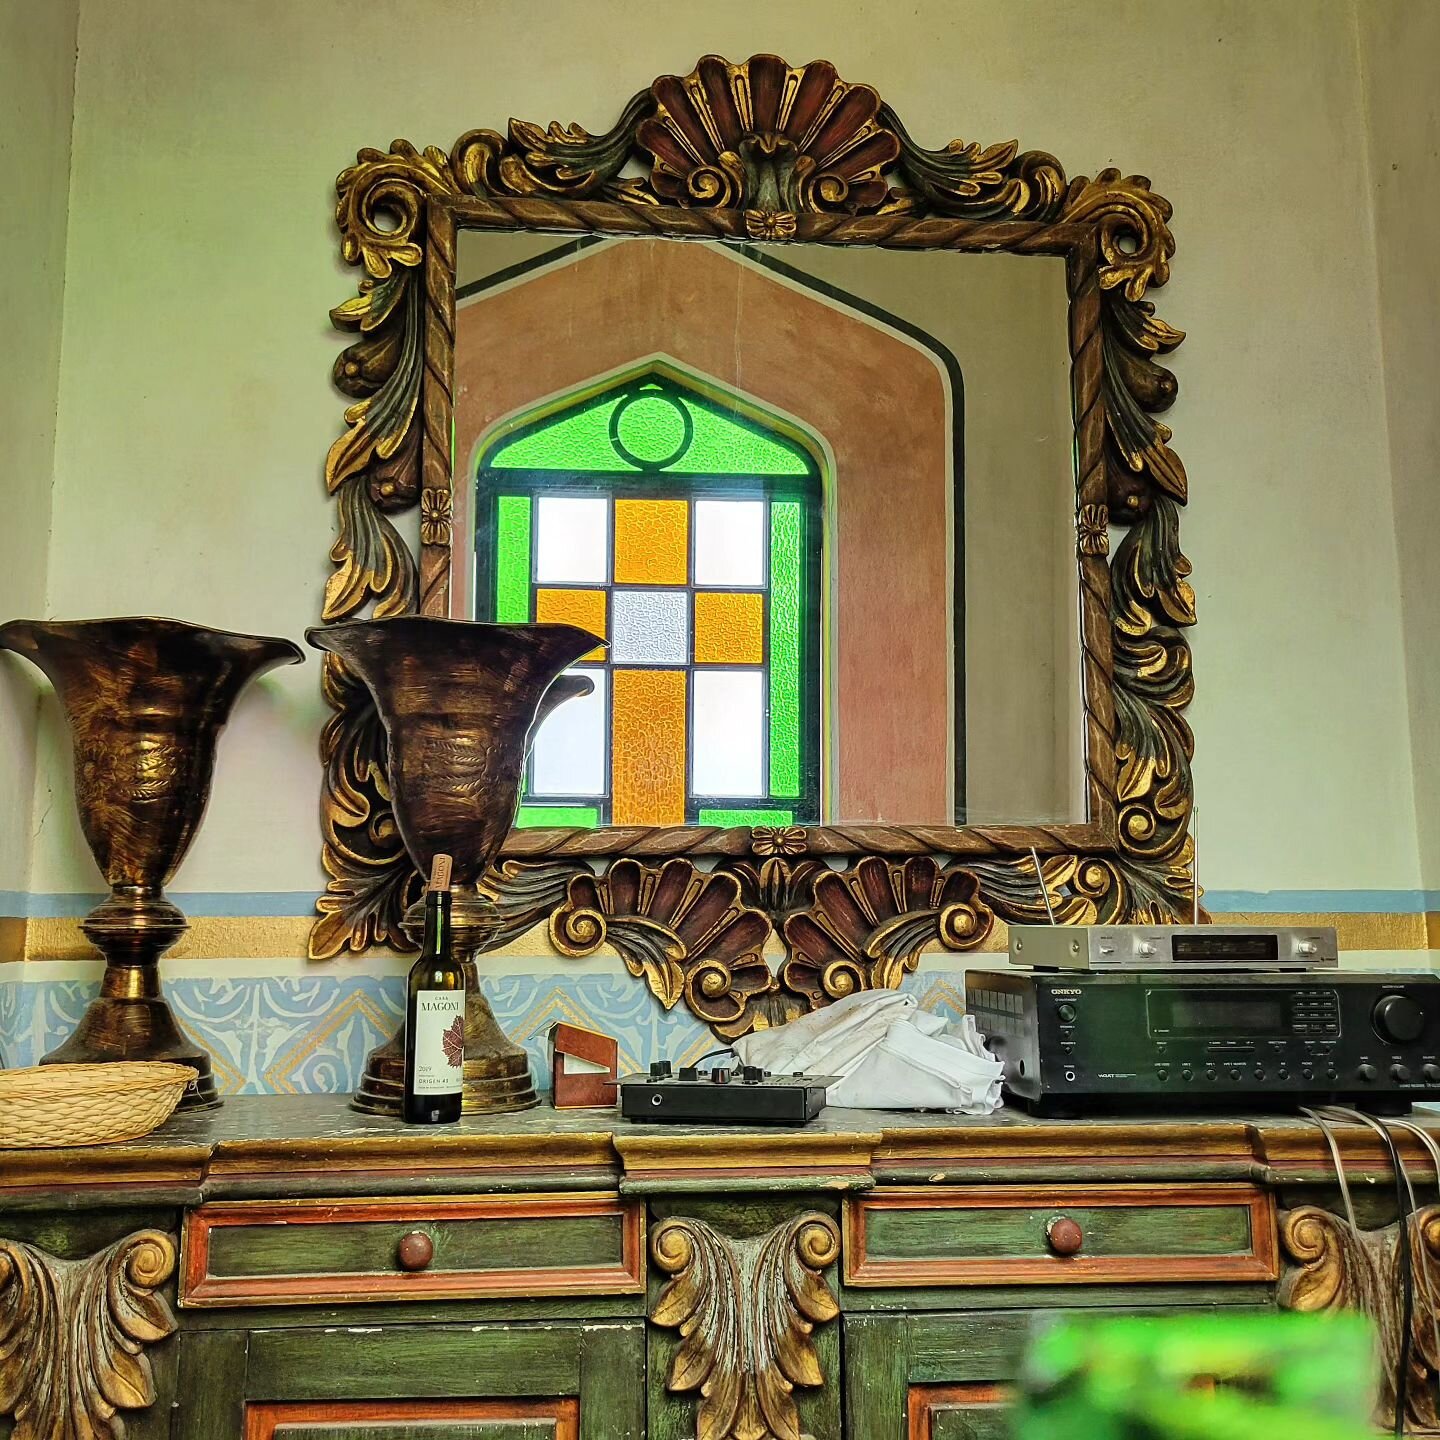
x=808, y=494
x=848, y=449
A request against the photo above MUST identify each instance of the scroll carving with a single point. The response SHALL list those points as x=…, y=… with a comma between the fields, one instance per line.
x=866, y=927
x=1336, y=1268
x=746, y=1310
x=766, y=149
x=683, y=931
x=73, y=1335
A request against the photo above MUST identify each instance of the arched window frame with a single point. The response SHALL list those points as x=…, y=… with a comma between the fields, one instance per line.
x=792, y=776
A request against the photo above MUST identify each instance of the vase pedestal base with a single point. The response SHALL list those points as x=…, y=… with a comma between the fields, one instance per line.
x=141, y=1028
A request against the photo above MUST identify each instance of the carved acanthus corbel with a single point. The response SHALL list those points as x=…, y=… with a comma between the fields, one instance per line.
x=746, y=1309
x=73, y=1335
x=1336, y=1268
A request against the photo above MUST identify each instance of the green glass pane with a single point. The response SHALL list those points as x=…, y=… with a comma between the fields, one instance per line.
x=652, y=429
x=747, y=817
x=785, y=621
x=512, y=560
x=532, y=817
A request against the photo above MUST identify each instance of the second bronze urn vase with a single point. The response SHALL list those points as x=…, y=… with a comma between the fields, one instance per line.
x=146, y=700
x=459, y=701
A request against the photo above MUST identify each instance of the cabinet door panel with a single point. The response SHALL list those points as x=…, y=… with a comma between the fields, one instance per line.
x=415, y=1420
x=957, y=1412
x=564, y=1380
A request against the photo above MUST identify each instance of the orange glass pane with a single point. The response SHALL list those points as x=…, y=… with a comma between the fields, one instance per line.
x=585, y=608
x=652, y=542
x=647, y=747
x=728, y=628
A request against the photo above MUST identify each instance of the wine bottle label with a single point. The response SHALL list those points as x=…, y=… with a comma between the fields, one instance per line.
x=439, y=1041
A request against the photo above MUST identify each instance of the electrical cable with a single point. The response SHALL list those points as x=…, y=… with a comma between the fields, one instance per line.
x=1403, y=1191
x=1344, y=1184
x=1427, y=1143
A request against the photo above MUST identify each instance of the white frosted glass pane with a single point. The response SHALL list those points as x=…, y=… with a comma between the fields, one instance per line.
x=729, y=542
x=729, y=729
x=568, y=757
x=650, y=627
x=573, y=540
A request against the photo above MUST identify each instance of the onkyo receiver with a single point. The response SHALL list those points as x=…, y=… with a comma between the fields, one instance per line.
x=1075, y=1043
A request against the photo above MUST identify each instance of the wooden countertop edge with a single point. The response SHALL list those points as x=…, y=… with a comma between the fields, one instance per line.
x=1282, y=1147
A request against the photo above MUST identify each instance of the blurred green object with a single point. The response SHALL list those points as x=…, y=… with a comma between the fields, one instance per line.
x=1213, y=1377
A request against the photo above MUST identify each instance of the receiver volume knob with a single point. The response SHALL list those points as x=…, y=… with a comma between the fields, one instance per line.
x=1397, y=1017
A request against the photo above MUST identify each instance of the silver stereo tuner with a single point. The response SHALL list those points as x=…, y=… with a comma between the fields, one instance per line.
x=1174, y=947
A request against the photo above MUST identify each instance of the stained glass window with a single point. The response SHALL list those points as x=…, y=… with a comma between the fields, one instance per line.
x=687, y=532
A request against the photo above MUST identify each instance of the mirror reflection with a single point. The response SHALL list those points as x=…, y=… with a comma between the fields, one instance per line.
x=820, y=503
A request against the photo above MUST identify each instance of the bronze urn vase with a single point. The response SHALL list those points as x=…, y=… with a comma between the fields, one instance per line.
x=146, y=700
x=458, y=700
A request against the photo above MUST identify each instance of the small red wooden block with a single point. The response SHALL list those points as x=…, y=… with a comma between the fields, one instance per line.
x=577, y=1085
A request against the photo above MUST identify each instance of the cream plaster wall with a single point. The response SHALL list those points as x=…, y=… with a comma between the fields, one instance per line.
x=37, y=73
x=1399, y=48
x=195, y=406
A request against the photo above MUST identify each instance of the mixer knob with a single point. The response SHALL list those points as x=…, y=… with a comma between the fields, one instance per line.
x=1366, y=1073
x=1397, y=1018
x=752, y=1074
x=1430, y=1074
x=659, y=1069
x=720, y=1077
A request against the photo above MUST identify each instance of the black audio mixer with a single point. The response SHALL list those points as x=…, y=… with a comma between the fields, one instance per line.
x=743, y=1095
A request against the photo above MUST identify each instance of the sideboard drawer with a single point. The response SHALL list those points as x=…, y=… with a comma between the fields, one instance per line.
x=1021, y=1235
x=254, y=1252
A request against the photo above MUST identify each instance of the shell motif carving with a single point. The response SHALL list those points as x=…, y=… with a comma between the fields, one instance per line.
x=1336, y=1268
x=684, y=931
x=768, y=138
x=746, y=1310
x=866, y=927
x=73, y=1335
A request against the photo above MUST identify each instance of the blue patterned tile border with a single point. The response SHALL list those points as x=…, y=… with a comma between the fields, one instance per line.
x=311, y=1034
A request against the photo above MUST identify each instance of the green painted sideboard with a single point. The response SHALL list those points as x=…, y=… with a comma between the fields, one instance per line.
x=286, y=1269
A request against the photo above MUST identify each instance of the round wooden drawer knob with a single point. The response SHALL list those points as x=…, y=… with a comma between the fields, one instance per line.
x=415, y=1251
x=1064, y=1236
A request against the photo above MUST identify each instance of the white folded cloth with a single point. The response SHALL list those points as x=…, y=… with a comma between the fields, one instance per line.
x=888, y=1052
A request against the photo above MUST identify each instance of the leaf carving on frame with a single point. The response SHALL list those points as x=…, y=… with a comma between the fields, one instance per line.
x=74, y=1333
x=746, y=1309
x=683, y=930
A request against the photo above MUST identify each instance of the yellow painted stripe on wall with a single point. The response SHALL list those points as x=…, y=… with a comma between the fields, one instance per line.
x=264, y=937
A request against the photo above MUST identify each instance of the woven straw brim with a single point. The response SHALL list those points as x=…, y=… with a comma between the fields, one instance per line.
x=56, y=1105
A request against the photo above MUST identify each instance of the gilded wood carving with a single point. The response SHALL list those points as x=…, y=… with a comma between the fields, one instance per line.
x=746, y=1310
x=73, y=1335
x=765, y=150
x=1334, y=1267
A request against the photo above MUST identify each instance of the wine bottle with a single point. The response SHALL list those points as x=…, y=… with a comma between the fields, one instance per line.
x=435, y=1015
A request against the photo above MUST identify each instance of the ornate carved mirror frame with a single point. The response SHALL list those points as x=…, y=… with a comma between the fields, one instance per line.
x=749, y=151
